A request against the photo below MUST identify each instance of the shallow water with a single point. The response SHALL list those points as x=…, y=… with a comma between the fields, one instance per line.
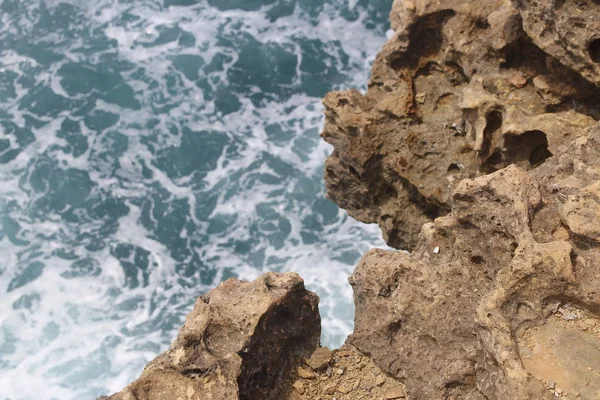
x=150, y=149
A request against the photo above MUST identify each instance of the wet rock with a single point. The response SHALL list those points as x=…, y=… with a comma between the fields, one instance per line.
x=234, y=343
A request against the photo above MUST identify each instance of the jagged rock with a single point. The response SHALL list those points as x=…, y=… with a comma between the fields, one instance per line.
x=235, y=343
x=320, y=358
x=462, y=89
x=479, y=318
x=361, y=380
x=566, y=30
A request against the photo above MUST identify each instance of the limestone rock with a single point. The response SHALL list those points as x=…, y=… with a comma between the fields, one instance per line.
x=234, y=343
x=568, y=31
x=509, y=303
x=462, y=89
x=320, y=358
x=357, y=382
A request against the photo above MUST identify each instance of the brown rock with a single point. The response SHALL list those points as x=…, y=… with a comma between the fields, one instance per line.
x=442, y=105
x=395, y=392
x=493, y=184
x=305, y=373
x=330, y=389
x=234, y=343
x=476, y=320
x=569, y=36
x=518, y=80
x=344, y=388
x=320, y=358
x=299, y=386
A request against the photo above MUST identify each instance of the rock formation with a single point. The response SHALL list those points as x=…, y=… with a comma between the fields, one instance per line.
x=463, y=88
x=476, y=147
x=235, y=343
x=501, y=296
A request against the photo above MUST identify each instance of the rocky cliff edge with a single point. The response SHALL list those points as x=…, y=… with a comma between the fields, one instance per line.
x=476, y=147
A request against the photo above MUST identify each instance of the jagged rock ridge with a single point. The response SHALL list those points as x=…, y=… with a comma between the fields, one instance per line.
x=464, y=88
x=235, y=343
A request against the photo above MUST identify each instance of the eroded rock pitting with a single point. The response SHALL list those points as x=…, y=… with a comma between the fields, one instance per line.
x=464, y=88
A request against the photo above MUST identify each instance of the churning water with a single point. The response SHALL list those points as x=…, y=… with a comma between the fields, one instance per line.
x=150, y=149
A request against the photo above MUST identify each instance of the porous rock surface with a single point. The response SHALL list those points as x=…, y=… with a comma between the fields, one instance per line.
x=501, y=297
x=347, y=375
x=462, y=89
x=235, y=343
x=476, y=147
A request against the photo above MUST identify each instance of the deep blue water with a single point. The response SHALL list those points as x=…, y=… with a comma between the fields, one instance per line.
x=150, y=149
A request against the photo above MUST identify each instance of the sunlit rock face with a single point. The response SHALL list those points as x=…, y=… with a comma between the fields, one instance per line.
x=500, y=298
x=462, y=89
x=235, y=342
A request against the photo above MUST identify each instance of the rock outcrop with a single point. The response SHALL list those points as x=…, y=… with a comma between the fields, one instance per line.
x=235, y=343
x=451, y=152
x=502, y=295
x=499, y=300
x=463, y=88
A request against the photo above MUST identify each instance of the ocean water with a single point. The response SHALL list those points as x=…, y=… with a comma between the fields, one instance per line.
x=150, y=149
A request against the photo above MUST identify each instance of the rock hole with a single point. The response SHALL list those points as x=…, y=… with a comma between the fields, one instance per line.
x=477, y=260
x=425, y=39
x=455, y=74
x=493, y=162
x=391, y=192
x=539, y=155
x=493, y=122
x=353, y=171
x=594, y=50
x=529, y=149
x=492, y=125
x=524, y=55
x=454, y=167
x=513, y=248
x=482, y=23
x=393, y=328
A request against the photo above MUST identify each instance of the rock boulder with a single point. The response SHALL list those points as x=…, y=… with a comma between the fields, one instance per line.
x=235, y=343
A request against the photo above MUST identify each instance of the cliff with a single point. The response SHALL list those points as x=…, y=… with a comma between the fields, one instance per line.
x=476, y=147
x=464, y=88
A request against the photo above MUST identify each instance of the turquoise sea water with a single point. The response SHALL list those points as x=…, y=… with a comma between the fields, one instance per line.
x=150, y=149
